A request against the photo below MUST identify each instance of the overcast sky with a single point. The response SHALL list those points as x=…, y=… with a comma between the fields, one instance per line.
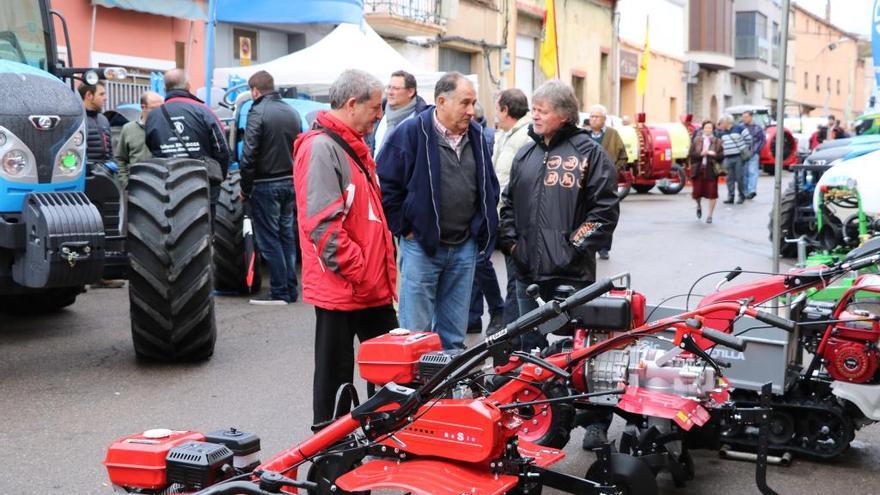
x=851, y=15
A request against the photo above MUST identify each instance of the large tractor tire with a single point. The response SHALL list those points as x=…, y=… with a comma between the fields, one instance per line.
x=169, y=244
x=45, y=301
x=642, y=188
x=787, y=206
x=676, y=184
x=230, y=268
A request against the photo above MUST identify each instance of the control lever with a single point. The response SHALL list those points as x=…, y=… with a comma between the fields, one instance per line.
x=534, y=291
x=732, y=274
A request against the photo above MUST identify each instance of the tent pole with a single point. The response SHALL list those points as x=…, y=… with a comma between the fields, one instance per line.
x=209, y=50
x=780, y=138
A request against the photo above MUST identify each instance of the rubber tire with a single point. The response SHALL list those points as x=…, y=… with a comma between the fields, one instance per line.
x=169, y=246
x=642, y=188
x=787, y=207
x=628, y=473
x=675, y=188
x=230, y=269
x=325, y=470
x=34, y=303
x=559, y=433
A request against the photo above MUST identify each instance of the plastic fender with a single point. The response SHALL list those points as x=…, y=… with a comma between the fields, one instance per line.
x=770, y=145
x=679, y=137
x=425, y=477
x=662, y=158
x=630, y=142
x=865, y=397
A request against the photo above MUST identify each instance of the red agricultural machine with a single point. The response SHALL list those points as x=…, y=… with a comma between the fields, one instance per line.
x=657, y=155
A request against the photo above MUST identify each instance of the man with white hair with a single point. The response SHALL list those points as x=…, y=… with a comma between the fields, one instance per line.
x=348, y=266
x=439, y=191
x=611, y=142
x=132, y=147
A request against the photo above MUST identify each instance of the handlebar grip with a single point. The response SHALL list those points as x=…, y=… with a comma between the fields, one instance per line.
x=588, y=293
x=724, y=339
x=776, y=321
x=533, y=318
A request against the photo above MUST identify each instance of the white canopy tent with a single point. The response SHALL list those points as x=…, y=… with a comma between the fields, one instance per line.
x=349, y=46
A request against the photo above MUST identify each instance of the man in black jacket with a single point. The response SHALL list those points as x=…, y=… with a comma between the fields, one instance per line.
x=196, y=132
x=558, y=209
x=267, y=184
x=98, y=145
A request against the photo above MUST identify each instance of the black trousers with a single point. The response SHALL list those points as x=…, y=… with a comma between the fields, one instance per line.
x=334, y=350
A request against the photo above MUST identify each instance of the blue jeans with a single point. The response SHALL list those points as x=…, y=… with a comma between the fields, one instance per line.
x=485, y=285
x=736, y=175
x=273, y=206
x=511, y=304
x=435, y=291
x=752, y=172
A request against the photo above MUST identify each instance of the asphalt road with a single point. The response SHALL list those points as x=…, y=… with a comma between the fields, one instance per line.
x=70, y=383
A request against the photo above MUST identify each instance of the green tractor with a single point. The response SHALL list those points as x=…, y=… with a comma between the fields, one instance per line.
x=66, y=223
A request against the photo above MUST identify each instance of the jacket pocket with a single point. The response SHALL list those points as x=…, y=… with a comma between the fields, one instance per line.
x=520, y=256
x=560, y=257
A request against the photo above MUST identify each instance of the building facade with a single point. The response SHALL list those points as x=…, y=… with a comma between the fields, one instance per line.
x=664, y=21
x=585, y=32
x=710, y=30
x=446, y=35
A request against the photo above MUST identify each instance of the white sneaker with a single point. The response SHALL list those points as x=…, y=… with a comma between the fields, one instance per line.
x=268, y=300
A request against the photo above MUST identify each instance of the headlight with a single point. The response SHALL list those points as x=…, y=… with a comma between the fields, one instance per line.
x=2, y=139
x=69, y=163
x=78, y=138
x=91, y=77
x=115, y=73
x=15, y=163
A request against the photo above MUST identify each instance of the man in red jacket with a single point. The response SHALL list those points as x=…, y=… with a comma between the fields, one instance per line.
x=348, y=267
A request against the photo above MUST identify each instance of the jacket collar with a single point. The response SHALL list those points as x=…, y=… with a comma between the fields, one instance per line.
x=523, y=121
x=426, y=117
x=271, y=95
x=181, y=93
x=564, y=132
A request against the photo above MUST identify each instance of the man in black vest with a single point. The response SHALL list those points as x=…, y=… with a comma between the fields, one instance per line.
x=98, y=145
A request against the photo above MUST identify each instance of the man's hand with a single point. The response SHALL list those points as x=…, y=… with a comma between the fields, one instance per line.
x=410, y=236
x=243, y=196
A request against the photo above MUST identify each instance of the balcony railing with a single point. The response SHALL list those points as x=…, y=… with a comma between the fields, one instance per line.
x=425, y=11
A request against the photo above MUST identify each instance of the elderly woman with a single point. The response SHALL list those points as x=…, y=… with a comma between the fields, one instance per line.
x=705, y=153
x=560, y=205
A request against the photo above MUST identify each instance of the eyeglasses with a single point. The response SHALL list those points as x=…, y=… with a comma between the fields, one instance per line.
x=394, y=88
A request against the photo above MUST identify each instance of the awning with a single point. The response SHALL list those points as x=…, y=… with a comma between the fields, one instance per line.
x=290, y=12
x=182, y=9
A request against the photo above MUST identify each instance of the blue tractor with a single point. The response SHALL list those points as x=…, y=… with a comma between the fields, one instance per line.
x=66, y=223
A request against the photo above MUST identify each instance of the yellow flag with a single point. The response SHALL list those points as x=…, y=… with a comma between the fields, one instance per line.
x=548, y=59
x=642, y=78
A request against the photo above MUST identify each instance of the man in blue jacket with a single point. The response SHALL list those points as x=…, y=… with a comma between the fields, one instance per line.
x=439, y=193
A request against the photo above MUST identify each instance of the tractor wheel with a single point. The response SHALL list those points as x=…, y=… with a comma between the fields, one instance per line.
x=169, y=247
x=674, y=186
x=46, y=301
x=786, y=221
x=549, y=425
x=642, y=188
x=230, y=269
x=630, y=475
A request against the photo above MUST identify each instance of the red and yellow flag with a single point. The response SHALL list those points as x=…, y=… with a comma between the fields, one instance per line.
x=548, y=59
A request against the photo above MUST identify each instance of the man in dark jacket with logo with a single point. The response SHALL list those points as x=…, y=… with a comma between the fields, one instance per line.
x=558, y=209
x=267, y=184
x=561, y=203
x=439, y=192
x=196, y=132
x=98, y=145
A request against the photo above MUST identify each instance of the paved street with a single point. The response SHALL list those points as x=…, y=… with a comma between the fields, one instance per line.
x=69, y=382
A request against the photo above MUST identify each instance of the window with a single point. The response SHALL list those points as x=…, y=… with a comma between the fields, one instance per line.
x=179, y=54
x=828, y=84
x=244, y=44
x=806, y=80
x=455, y=60
x=817, y=83
x=22, y=39
x=577, y=84
x=751, y=36
x=524, y=77
x=838, y=86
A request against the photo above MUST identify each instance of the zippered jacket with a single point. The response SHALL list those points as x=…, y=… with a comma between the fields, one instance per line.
x=560, y=207
x=409, y=172
x=347, y=251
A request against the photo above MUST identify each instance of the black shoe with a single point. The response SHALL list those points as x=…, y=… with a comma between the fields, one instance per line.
x=751, y=195
x=595, y=436
x=496, y=323
x=268, y=300
x=740, y=200
x=475, y=327
x=729, y=200
x=603, y=254
x=699, y=213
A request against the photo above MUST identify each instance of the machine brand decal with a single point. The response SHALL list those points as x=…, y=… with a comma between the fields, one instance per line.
x=570, y=163
x=45, y=122
x=728, y=354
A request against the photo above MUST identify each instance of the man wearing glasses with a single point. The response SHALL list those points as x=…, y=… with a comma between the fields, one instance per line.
x=401, y=102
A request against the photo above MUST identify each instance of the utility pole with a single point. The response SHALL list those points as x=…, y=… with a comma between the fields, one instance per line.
x=780, y=138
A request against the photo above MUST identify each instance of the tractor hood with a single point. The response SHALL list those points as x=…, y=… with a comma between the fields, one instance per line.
x=828, y=156
x=40, y=112
x=861, y=173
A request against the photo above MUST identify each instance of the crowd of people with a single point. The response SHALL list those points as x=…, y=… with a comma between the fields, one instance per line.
x=398, y=201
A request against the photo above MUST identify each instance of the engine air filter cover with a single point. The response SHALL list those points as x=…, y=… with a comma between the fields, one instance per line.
x=198, y=464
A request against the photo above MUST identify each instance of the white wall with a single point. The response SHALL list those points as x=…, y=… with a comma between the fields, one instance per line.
x=667, y=24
